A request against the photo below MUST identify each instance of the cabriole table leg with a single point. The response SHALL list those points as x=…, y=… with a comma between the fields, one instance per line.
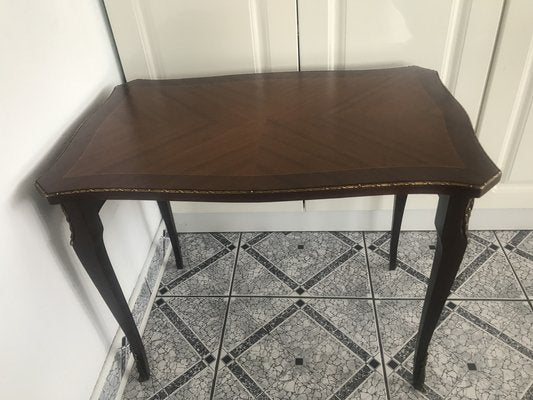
x=397, y=216
x=166, y=213
x=451, y=222
x=87, y=240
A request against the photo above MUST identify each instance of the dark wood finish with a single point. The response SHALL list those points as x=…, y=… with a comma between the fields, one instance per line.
x=397, y=216
x=451, y=222
x=282, y=136
x=274, y=137
x=166, y=213
x=87, y=240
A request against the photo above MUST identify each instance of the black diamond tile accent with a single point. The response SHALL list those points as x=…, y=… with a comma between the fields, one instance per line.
x=374, y=363
x=471, y=366
x=227, y=359
x=300, y=303
x=393, y=364
x=451, y=305
x=231, y=247
x=159, y=302
x=209, y=359
x=358, y=247
x=300, y=290
x=494, y=247
x=432, y=247
x=163, y=290
x=372, y=247
x=299, y=361
x=509, y=247
x=300, y=246
x=245, y=246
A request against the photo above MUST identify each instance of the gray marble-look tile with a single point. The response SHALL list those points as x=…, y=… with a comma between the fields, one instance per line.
x=349, y=279
x=270, y=362
x=302, y=263
x=513, y=318
x=524, y=270
x=518, y=245
x=398, y=321
x=251, y=277
x=397, y=283
x=355, y=318
x=417, y=248
x=526, y=243
x=177, y=331
x=458, y=342
x=228, y=387
x=503, y=374
x=114, y=376
x=373, y=388
x=141, y=304
x=198, y=388
x=211, y=278
x=169, y=355
x=195, y=249
x=249, y=314
x=493, y=279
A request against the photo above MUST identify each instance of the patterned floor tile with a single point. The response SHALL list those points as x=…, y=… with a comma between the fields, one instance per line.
x=181, y=340
x=484, y=272
x=308, y=349
x=305, y=347
x=481, y=349
x=208, y=264
x=518, y=245
x=302, y=263
x=493, y=279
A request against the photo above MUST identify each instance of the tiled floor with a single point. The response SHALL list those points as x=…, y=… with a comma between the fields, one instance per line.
x=318, y=315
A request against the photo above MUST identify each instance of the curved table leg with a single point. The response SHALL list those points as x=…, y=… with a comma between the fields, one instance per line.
x=451, y=222
x=166, y=213
x=87, y=240
x=397, y=216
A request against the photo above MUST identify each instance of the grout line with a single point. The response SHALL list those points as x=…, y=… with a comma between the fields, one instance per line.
x=512, y=269
x=380, y=345
x=219, y=353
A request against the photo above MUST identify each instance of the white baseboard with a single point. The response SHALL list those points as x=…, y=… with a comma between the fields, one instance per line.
x=379, y=220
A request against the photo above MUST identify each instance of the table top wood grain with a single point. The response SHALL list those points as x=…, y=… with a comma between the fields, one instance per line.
x=275, y=136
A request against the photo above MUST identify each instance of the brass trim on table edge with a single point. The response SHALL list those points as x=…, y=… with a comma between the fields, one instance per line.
x=274, y=191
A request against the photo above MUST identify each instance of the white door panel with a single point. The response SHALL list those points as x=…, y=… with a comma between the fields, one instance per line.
x=482, y=50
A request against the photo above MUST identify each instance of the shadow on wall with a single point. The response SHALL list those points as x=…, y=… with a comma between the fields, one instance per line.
x=54, y=224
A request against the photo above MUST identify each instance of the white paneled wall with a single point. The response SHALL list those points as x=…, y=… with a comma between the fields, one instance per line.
x=482, y=49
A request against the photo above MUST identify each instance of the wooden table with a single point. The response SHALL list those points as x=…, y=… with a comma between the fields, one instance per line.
x=274, y=137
